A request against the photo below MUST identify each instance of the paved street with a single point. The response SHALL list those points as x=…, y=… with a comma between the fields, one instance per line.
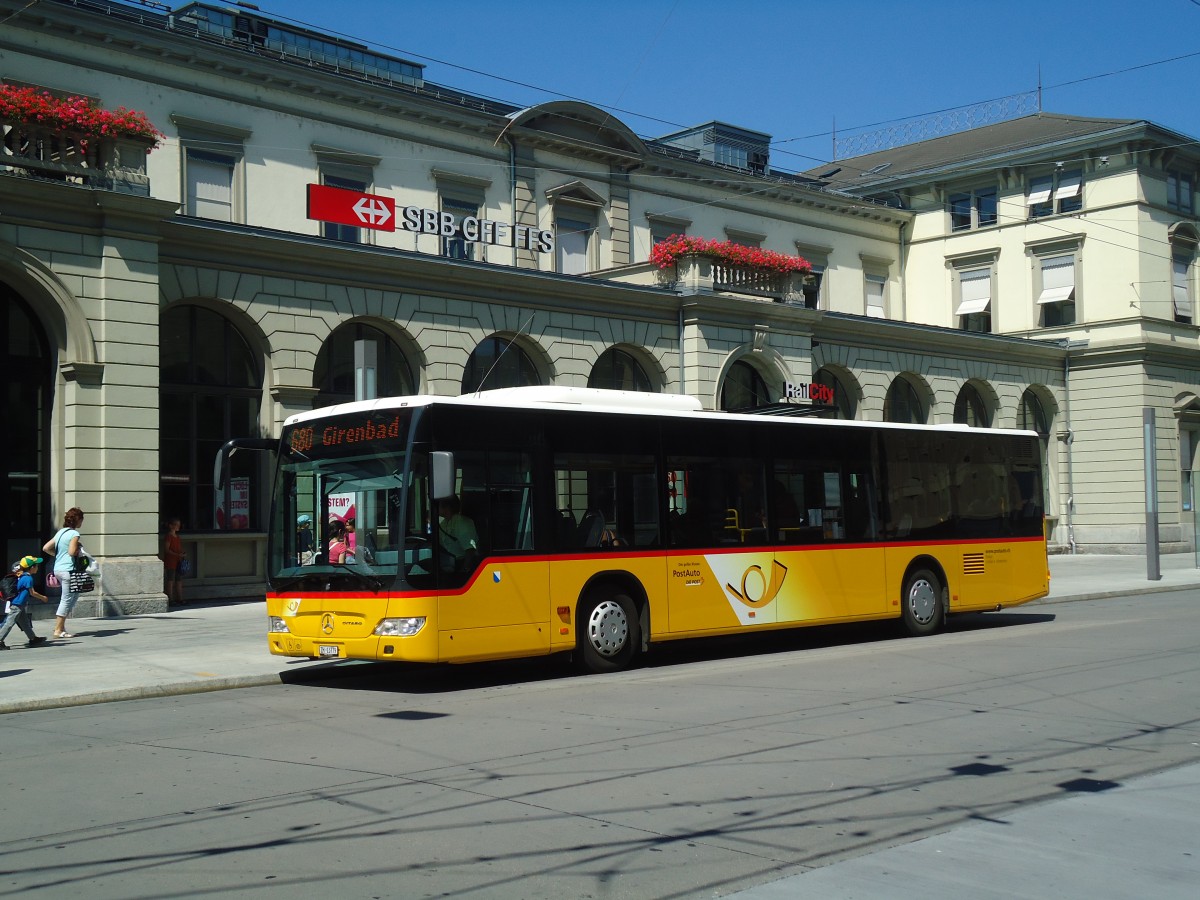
x=223, y=645
x=1092, y=804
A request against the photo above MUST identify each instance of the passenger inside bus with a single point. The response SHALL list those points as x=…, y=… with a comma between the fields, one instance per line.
x=459, y=539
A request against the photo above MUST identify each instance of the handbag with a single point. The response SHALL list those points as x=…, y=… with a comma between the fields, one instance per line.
x=51, y=546
x=80, y=583
x=185, y=567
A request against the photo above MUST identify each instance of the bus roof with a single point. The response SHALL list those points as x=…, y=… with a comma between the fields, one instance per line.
x=601, y=401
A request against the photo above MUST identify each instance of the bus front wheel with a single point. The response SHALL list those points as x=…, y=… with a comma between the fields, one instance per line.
x=923, y=602
x=610, y=633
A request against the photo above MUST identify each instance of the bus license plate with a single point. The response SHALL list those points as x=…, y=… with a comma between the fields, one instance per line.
x=327, y=650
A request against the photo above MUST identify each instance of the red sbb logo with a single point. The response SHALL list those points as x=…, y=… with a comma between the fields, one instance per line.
x=330, y=204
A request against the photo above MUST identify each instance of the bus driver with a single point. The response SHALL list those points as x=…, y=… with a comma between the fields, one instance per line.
x=457, y=533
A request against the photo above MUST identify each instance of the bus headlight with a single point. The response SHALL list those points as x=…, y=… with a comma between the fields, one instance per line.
x=276, y=624
x=400, y=627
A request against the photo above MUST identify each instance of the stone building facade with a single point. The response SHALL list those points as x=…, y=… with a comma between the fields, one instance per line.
x=159, y=305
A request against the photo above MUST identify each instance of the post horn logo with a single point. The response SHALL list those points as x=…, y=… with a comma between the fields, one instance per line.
x=757, y=590
x=327, y=623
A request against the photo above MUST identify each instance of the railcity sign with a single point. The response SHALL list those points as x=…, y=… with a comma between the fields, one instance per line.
x=817, y=393
x=343, y=207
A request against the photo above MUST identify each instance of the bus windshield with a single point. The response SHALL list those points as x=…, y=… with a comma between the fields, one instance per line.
x=338, y=517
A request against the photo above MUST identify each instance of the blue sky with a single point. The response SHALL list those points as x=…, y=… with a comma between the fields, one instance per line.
x=793, y=69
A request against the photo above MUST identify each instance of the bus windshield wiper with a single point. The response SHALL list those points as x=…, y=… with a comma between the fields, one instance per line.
x=367, y=578
x=281, y=584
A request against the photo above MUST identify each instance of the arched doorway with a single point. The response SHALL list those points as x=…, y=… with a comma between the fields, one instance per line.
x=903, y=403
x=619, y=370
x=28, y=366
x=970, y=408
x=498, y=363
x=843, y=399
x=744, y=388
x=333, y=373
x=210, y=391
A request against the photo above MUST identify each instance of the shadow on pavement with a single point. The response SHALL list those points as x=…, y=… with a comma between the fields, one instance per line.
x=99, y=633
x=423, y=678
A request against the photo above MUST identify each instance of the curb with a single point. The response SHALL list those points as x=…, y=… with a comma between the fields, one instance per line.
x=143, y=693
x=180, y=688
x=1105, y=595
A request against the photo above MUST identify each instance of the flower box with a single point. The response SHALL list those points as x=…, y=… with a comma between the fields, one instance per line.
x=76, y=115
x=667, y=252
x=698, y=264
x=73, y=140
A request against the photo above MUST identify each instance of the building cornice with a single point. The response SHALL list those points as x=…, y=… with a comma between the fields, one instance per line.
x=284, y=255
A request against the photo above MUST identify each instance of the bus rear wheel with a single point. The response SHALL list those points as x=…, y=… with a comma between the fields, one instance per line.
x=923, y=603
x=610, y=632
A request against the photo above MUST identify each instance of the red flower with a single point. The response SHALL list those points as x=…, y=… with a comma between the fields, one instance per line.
x=74, y=114
x=665, y=253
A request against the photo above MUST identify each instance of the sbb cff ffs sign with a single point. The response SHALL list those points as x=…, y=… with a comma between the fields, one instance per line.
x=330, y=204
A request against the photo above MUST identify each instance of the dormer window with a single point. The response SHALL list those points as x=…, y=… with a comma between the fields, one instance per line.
x=973, y=209
x=1061, y=192
x=731, y=154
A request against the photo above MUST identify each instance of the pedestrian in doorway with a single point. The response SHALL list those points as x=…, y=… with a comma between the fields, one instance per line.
x=17, y=608
x=173, y=559
x=65, y=547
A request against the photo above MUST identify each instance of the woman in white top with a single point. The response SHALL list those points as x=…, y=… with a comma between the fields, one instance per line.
x=65, y=547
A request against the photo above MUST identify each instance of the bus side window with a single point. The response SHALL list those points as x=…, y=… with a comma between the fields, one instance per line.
x=716, y=500
x=617, y=494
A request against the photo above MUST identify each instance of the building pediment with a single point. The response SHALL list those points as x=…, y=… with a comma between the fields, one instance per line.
x=574, y=192
x=569, y=123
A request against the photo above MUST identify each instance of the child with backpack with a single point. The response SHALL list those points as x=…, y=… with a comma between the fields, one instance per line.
x=18, y=588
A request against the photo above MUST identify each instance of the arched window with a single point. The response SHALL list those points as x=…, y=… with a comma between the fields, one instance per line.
x=743, y=388
x=969, y=408
x=903, y=404
x=842, y=398
x=617, y=370
x=498, y=363
x=1032, y=415
x=333, y=373
x=28, y=366
x=210, y=391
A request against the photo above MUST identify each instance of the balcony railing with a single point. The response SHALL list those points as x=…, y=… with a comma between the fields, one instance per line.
x=704, y=275
x=117, y=164
x=695, y=274
x=742, y=280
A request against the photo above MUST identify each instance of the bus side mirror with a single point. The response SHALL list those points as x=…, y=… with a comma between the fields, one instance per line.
x=441, y=470
x=221, y=462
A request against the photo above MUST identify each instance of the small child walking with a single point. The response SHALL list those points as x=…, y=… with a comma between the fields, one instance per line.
x=16, y=611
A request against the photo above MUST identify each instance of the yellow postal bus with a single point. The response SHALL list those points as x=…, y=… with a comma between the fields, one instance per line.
x=529, y=521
